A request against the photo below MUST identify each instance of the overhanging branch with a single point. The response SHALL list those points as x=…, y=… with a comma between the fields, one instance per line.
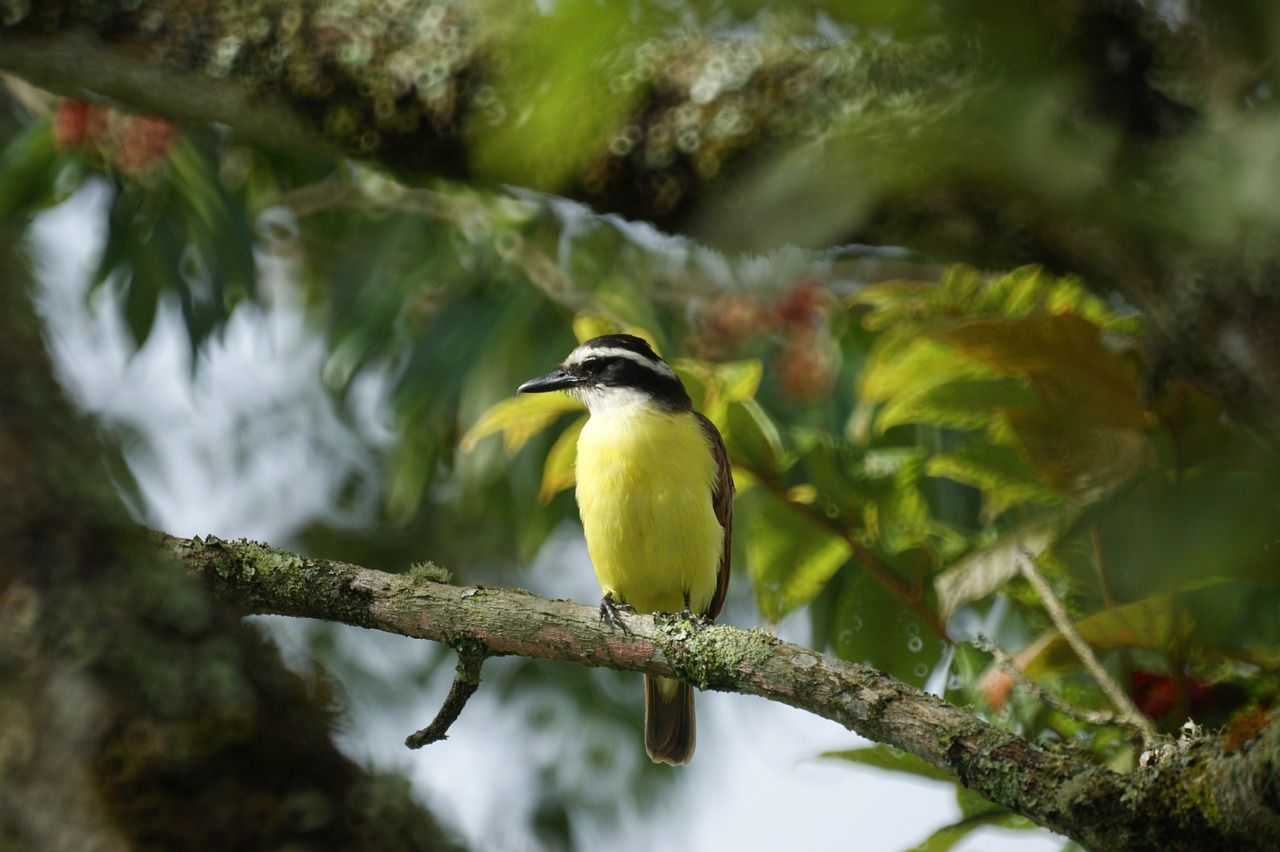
x=1191, y=796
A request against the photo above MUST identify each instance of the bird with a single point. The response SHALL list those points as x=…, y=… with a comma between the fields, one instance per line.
x=655, y=495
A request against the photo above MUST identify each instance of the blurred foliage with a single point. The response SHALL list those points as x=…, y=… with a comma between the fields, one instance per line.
x=900, y=431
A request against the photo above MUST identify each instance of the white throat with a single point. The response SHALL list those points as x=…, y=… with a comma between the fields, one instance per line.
x=609, y=400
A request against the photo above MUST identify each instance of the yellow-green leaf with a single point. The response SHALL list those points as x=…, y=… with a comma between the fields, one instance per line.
x=789, y=555
x=558, y=471
x=739, y=379
x=752, y=438
x=519, y=418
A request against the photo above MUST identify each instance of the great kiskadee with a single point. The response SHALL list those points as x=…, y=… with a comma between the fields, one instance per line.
x=656, y=498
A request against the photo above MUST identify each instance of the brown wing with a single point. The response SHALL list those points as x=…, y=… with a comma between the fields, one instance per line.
x=722, y=500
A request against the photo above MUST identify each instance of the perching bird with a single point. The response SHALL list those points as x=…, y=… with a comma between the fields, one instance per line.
x=656, y=498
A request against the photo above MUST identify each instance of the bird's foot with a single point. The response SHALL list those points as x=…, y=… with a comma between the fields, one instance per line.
x=698, y=620
x=609, y=612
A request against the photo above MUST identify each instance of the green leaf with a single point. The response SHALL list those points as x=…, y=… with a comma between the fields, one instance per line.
x=959, y=404
x=739, y=380
x=556, y=104
x=872, y=626
x=790, y=556
x=752, y=439
x=905, y=365
x=33, y=174
x=1000, y=473
x=1154, y=623
x=1064, y=357
x=558, y=471
x=948, y=836
x=519, y=418
x=893, y=760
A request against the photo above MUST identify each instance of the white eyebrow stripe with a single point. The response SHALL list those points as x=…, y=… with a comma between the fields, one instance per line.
x=579, y=355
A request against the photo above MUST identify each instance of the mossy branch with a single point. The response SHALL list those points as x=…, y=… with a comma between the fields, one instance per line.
x=1193, y=795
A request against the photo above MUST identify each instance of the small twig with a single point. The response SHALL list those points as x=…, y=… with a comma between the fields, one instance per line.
x=466, y=681
x=1009, y=665
x=1127, y=713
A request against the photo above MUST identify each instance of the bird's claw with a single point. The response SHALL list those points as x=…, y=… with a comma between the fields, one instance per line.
x=610, y=612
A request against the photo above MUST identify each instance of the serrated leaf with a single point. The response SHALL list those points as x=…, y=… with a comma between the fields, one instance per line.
x=1000, y=473
x=558, y=472
x=891, y=759
x=752, y=438
x=1078, y=457
x=960, y=404
x=519, y=418
x=1064, y=357
x=903, y=364
x=790, y=556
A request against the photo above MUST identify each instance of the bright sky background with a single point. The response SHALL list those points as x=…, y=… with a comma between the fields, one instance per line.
x=254, y=449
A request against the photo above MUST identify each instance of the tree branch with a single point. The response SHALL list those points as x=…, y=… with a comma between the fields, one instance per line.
x=1125, y=708
x=76, y=63
x=1205, y=799
x=465, y=683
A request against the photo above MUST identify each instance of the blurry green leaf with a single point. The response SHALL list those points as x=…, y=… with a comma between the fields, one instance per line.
x=1076, y=455
x=790, y=556
x=1154, y=623
x=557, y=104
x=963, y=292
x=558, y=471
x=1000, y=473
x=948, y=836
x=961, y=404
x=179, y=231
x=739, y=380
x=1064, y=357
x=908, y=365
x=412, y=466
x=898, y=518
x=713, y=387
x=752, y=439
x=893, y=760
x=519, y=418
x=870, y=625
x=33, y=174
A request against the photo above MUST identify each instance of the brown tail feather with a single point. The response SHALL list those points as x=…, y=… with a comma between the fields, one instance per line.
x=670, y=729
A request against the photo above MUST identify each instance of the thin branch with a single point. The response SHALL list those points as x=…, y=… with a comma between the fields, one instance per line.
x=1010, y=666
x=466, y=681
x=1061, y=790
x=1127, y=712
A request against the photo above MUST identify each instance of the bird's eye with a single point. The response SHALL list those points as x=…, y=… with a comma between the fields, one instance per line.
x=593, y=365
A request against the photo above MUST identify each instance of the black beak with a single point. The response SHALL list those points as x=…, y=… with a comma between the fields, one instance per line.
x=555, y=380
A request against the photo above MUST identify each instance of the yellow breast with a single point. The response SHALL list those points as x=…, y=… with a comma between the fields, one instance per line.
x=644, y=490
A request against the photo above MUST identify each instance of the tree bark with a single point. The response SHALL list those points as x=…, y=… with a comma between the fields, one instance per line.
x=1195, y=794
x=135, y=712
